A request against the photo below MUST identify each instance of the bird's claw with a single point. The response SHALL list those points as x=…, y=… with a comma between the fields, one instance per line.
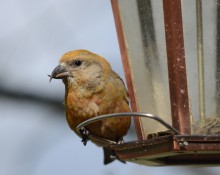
x=84, y=132
x=121, y=141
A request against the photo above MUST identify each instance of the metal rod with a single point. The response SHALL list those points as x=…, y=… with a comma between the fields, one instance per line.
x=200, y=60
x=126, y=65
x=179, y=100
x=218, y=59
x=132, y=114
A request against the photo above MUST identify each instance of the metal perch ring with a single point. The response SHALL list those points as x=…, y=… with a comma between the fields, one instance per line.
x=126, y=114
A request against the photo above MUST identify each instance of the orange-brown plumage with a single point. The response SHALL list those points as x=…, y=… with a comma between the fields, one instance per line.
x=92, y=89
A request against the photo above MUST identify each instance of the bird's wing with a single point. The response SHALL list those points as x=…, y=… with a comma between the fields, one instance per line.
x=121, y=85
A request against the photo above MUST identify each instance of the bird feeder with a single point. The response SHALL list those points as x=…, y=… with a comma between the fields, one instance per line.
x=171, y=56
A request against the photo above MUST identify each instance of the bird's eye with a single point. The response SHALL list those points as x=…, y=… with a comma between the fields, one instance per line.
x=78, y=62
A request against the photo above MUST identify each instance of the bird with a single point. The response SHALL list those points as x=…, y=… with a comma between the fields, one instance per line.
x=92, y=88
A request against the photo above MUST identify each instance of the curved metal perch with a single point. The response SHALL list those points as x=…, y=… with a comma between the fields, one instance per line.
x=126, y=114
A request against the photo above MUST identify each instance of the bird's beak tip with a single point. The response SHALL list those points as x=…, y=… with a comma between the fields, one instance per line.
x=50, y=78
x=59, y=72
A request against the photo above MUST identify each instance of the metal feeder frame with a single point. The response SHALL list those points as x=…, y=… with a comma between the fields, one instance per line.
x=170, y=149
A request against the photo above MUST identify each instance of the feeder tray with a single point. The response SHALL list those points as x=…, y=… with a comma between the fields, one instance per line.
x=163, y=148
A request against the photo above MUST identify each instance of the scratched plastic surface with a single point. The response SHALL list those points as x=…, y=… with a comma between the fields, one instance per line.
x=202, y=50
x=143, y=27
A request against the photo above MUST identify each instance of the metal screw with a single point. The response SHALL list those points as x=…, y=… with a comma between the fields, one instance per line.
x=183, y=144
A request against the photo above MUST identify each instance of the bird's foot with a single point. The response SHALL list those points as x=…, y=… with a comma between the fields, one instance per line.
x=121, y=141
x=84, y=132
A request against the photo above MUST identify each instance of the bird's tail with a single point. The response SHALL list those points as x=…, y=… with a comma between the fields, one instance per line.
x=110, y=156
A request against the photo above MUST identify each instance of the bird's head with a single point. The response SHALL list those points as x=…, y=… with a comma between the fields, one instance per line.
x=81, y=68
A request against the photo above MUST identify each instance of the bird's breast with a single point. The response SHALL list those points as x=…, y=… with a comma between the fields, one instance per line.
x=80, y=107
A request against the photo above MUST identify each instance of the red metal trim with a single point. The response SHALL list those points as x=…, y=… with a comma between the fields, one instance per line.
x=126, y=65
x=199, y=149
x=176, y=65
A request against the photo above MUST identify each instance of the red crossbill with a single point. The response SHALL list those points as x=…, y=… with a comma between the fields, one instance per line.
x=92, y=88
